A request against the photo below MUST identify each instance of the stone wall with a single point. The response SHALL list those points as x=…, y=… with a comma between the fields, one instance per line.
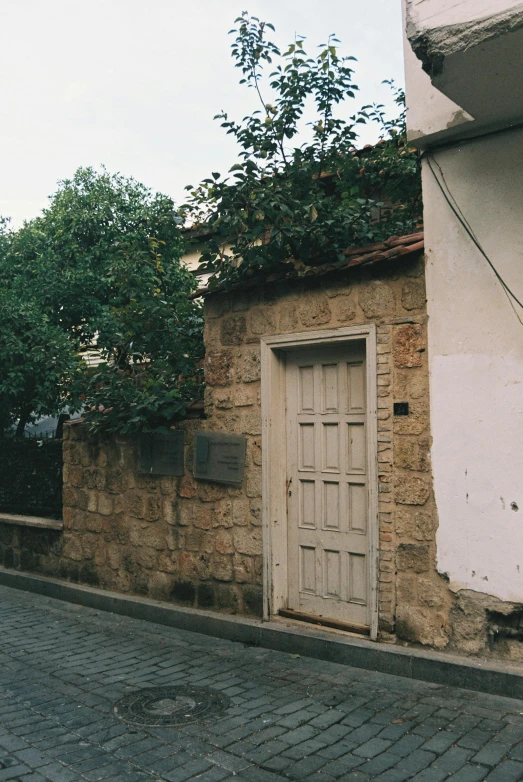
x=30, y=549
x=201, y=544
x=167, y=538
x=414, y=602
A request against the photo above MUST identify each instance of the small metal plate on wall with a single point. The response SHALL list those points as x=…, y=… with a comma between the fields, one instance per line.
x=162, y=453
x=219, y=457
x=401, y=408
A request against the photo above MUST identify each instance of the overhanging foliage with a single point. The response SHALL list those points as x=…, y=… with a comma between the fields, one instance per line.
x=287, y=202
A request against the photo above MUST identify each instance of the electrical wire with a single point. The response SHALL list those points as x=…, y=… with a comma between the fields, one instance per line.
x=454, y=206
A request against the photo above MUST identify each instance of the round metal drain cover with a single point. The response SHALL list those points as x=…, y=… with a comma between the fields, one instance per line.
x=156, y=706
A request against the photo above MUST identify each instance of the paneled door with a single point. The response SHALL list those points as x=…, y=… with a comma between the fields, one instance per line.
x=327, y=483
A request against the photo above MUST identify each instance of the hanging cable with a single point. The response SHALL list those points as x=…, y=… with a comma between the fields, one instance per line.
x=454, y=206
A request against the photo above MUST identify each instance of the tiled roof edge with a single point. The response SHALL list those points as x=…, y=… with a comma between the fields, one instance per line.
x=394, y=247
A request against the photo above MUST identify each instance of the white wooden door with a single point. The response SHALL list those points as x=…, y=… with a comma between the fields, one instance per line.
x=327, y=483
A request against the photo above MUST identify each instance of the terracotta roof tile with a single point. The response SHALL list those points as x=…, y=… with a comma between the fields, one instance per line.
x=394, y=247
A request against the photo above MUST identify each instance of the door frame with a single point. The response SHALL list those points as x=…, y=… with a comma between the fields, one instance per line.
x=274, y=465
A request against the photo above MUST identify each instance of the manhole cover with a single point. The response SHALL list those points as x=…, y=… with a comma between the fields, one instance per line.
x=170, y=705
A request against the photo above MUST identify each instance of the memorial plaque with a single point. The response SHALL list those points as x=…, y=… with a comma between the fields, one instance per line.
x=162, y=453
x=219, y=457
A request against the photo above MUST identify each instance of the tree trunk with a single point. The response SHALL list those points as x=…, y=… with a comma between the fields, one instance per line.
x=22, y=421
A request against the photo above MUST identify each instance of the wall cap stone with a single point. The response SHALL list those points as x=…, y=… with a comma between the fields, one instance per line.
x=31, y=521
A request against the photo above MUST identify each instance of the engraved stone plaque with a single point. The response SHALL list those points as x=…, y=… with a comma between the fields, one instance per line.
x=219, y=457
x=162, y=453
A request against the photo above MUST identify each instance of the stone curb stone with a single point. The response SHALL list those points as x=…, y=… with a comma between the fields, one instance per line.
x=281, y=636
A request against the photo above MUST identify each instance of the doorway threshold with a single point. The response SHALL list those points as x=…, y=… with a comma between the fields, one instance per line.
x=322, y=621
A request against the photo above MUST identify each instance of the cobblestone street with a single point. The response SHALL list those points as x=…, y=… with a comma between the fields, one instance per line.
x=64, y=668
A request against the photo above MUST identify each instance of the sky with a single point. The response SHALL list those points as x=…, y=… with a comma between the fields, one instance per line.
x=134, y=84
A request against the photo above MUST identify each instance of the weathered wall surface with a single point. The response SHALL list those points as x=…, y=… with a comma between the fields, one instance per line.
x=201, y=544
x=167, y=538
x=413, y=599
x=30, y=549
x=462, y=66
x=476, y=364
x=440, y=13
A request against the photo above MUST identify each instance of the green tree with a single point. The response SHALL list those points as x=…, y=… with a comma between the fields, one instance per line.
x=289, y=201
x=101, y=268
x=37, y=363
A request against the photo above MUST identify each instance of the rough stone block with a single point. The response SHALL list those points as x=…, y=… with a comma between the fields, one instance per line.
x=145, y=535
x=217, y=305
x=244, y=300
x=408, y=343
x=153, y=507
x=314, y=311
x=248, y=540
x=89, y=545
x=187, y=487
x=223, y=542
x=415, y=524
x=256, y=452
x=205, y=596
x=412, y=454
x=411, y=490
x=413, y=556
x=222, y=514
x=431, y=594
x=288, y=317
x=218, y=368
x=253, y=600
x=69, y=497
x=243, y=569
x=113, y=555
x=105, y=504
x=415, y=423
x=344, y=309
x=226, y=597
x=263, y=320
x=92, y=522
x=75, y=476
x=420, y=625
x=250, y=422
x=134, y=504
x=95, y=478
x=222, y=567
x=232, y=330
x=160, y=586
x=407, y=589
x=184, y=592
x=199, y=540
x=117, y=480
x=249, y=368
x=240, y=512
x=255, y=506
x=210, y=492
x=413, y=296
x=73, y=548
x=246, y=396
x=253, y=483
x=146, y=557
x=377, y=299
x=223, y=399
x=89, y=575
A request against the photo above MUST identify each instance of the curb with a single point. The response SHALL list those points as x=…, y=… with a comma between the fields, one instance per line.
x=444, y=669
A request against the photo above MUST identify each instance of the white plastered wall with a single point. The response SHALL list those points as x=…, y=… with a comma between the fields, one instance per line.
x=436, y=13
x=476, y=365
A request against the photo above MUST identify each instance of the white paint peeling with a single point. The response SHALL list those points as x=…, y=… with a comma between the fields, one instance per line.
x=476, y=366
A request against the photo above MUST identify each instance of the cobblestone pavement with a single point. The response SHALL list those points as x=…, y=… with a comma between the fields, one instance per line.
x=63, y=668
